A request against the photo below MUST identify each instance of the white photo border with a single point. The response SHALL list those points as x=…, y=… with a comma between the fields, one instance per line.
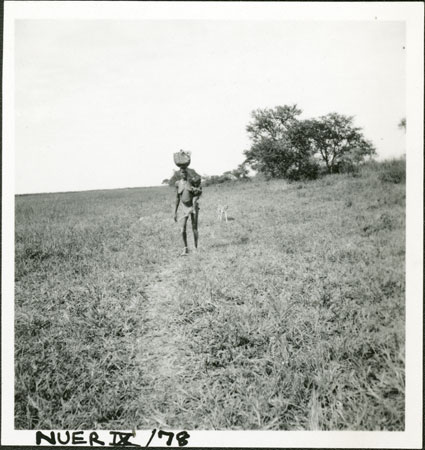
x=412, y=14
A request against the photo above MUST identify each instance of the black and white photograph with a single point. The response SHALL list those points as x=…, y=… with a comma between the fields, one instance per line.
x=205, y=239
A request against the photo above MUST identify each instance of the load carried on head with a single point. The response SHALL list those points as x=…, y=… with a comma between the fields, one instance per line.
x=182, y=159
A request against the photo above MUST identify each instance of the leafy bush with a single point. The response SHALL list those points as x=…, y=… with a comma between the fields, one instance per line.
x=215, y=179
x=393, y=171
x=346, y=166
x=238, y=174
x=305, y=170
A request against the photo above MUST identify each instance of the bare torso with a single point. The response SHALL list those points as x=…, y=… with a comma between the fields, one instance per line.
x=184, y=191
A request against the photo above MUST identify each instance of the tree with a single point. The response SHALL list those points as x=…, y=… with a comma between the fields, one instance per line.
x=272, y=123
x=272, y=151
x=304, y=165
x=241, y=172
x=338, y=142
x=402, y=124
x=284, y=146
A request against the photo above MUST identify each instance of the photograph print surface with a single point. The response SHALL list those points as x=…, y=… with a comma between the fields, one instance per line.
x=259, y=286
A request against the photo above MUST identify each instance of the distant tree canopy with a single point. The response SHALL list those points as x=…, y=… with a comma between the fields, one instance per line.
x=272, y=124
x=340, y=144
x=284, y=146
x=238, y=174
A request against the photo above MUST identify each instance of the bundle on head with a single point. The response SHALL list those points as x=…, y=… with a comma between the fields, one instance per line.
x=182, y=159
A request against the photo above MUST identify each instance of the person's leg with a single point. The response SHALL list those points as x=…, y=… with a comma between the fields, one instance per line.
x=184, y=234
x=194, y=220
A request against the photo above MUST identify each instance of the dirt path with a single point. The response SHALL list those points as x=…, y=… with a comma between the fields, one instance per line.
x=159, y=342
x=162, y=348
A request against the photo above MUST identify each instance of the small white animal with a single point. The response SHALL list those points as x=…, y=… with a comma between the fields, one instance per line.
x=222, y=212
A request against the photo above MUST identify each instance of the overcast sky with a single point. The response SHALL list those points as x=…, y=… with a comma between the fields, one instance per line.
x=104, y=104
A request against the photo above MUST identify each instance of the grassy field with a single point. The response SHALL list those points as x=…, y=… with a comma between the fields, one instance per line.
x=290, y=316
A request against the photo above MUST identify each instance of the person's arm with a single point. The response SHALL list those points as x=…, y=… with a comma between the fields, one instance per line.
x=197, y=193
x=177, y=204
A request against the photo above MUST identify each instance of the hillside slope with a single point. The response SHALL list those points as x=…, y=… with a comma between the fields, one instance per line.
x=290, y=316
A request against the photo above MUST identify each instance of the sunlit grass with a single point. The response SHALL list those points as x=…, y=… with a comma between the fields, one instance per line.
x=291, y=315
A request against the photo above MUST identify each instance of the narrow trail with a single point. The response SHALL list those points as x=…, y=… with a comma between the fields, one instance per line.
x=162, y=349
x=159, y=342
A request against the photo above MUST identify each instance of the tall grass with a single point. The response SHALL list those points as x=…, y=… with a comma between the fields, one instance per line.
x=291, y=315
